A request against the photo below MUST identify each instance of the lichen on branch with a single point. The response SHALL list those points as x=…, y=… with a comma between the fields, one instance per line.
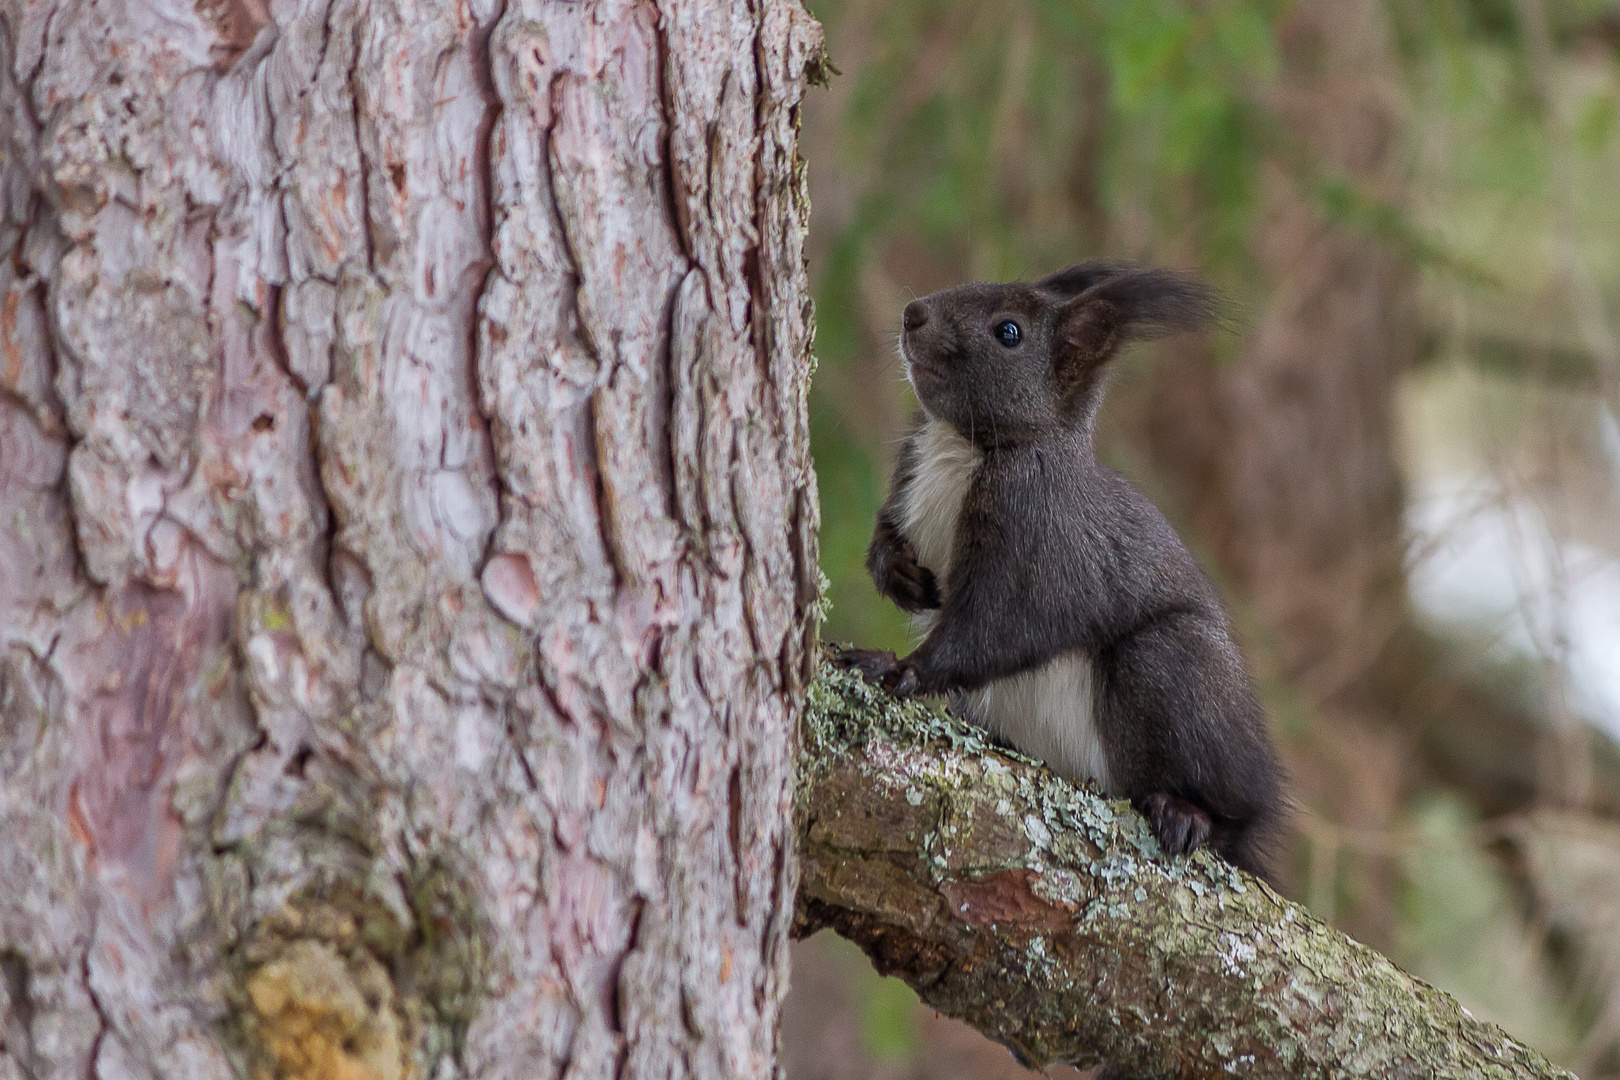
x=1046, y=916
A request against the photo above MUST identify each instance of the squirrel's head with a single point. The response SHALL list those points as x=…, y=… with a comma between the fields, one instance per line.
x=1003, y=362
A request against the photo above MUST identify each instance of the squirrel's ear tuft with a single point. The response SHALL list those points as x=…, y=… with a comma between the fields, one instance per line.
x=1134, y=305
x=1073, y=280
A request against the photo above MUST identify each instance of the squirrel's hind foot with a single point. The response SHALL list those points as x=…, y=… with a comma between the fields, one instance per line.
x=1181, y=827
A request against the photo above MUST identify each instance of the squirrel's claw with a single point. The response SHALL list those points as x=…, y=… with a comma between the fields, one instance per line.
x=902, y=682
x=911, y=584
x=903, y=579
x=874, y=664
x=1181, y=827
x=914, y=588
x=880, y=667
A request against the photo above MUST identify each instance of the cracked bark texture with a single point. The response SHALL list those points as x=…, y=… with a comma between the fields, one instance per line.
x=406, y=536
x=1047, y=917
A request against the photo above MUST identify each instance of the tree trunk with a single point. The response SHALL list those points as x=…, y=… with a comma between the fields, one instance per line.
x=408, y=552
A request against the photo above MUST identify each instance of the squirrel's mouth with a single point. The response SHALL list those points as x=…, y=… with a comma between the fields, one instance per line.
x=923, y=378
x=915, y=368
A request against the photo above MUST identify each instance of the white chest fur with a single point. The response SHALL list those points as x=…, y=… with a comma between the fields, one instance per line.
x=946, y=463
x=1046, y=712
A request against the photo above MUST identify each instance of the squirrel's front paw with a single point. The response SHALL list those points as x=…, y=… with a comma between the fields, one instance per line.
x=898, y=575
x=1181, y=827
x=909, y=583
x=880, y=667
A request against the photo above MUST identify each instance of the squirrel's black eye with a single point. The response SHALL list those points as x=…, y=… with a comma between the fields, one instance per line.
x=1008, y=334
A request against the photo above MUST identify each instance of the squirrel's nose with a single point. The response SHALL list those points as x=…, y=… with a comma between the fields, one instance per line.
x=915, y=316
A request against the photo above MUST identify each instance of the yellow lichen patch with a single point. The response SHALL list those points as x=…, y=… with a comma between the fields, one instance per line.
x=319, y=1016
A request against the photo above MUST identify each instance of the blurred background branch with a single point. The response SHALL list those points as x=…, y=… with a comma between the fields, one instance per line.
x=1403, y=471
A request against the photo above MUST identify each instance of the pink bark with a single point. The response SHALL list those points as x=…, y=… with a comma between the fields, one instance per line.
x=406, y=536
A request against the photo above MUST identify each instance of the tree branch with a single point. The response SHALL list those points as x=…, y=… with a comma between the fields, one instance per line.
x=1045, y=916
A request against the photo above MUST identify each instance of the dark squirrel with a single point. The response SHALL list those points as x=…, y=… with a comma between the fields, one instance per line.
x=1062, y=611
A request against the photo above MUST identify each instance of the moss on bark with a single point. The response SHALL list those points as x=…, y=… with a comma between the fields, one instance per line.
x=1046, y=916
